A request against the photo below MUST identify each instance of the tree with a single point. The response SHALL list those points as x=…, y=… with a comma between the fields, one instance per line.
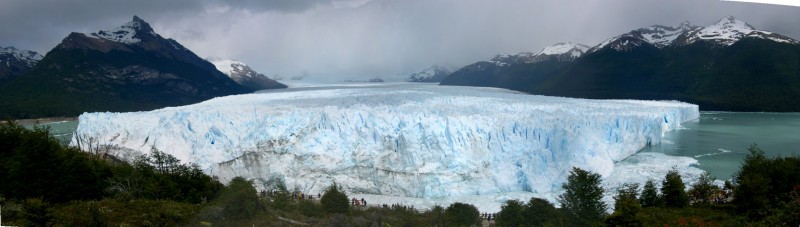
x=582, y=196
x=36, y=212
x=625, y=207
x=764, y=183
x=462, y=214
x=540, y=212
x=334, y=200
x=239, y=200
x=703, y=190
x=511, y=214
x=673, y=190
x=649, y=197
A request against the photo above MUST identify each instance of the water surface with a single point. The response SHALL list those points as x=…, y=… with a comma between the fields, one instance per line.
x=719, y=140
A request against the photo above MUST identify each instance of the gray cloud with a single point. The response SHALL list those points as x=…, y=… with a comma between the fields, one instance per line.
x=337, y=39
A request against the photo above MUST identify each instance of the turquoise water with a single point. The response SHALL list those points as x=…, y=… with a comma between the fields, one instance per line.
x=62, y=130
x=719, y=140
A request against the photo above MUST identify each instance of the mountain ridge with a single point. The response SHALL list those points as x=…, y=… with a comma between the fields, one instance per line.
x=728, y=66
x=128, y=69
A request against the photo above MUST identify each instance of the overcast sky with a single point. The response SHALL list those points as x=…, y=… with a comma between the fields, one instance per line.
x=353, y=39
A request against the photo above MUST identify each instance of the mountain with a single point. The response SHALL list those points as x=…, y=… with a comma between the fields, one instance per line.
x=244, y=75
x=433, y=74
x=728, y=31
x=506, y=71
x=128, y=68
x=15, y=62
x=657, y=36
x=727, y=66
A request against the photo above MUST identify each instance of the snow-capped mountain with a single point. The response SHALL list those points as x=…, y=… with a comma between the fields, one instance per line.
x=14, y=62
x=244, y=75
x=562, y=52
x=683, y=62
x=128, y=68
x=657, y=35
x=128, y=33
x=435, y=73
x=728, y=31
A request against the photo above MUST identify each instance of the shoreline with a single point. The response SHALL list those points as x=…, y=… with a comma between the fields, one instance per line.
x=36, y=121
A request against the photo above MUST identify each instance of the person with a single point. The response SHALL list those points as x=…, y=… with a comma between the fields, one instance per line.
x=363, y=202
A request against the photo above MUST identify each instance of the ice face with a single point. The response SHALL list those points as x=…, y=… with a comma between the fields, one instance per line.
x=421, y=141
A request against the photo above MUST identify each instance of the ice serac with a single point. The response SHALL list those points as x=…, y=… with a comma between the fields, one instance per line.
x=421, y=141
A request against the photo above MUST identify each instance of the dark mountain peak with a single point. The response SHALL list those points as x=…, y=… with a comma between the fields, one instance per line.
x=14, y=62
x=134, y=31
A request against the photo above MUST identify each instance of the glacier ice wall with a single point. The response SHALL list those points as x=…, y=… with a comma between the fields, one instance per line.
x=402, y=140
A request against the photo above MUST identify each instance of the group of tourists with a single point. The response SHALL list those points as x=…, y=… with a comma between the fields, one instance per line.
x=358, y=203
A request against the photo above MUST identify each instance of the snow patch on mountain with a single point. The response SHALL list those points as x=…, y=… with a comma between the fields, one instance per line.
x=575, y=50
x=422, y=141
x=657, y=35
x=434, y=73
x=30, y=58
x=729, y=30
x=125, y=33
x=227, y=66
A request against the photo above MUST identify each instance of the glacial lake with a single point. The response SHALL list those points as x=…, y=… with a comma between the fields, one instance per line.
x=718, y=140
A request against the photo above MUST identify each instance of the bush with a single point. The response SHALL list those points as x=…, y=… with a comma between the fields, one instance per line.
x=36, y=212
x=703, y=190
x=334, y=200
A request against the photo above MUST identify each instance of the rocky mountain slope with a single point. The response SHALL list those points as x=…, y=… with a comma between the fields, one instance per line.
x=15, y=62
x=435, y=73
x=244, y=75
x=728, y=65
x=128, y=68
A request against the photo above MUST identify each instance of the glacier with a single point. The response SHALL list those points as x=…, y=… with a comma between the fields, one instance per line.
x=396, y=140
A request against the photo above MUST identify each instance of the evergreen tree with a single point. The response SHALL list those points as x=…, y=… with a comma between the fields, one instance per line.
x=673, y=190
x=462, y=214
x=583, y=196
x=334, y=200
x=540, y=212
x=626, y=205
x=511, y=214
x=703, y=190
x=649, y=197
x=239, y=200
